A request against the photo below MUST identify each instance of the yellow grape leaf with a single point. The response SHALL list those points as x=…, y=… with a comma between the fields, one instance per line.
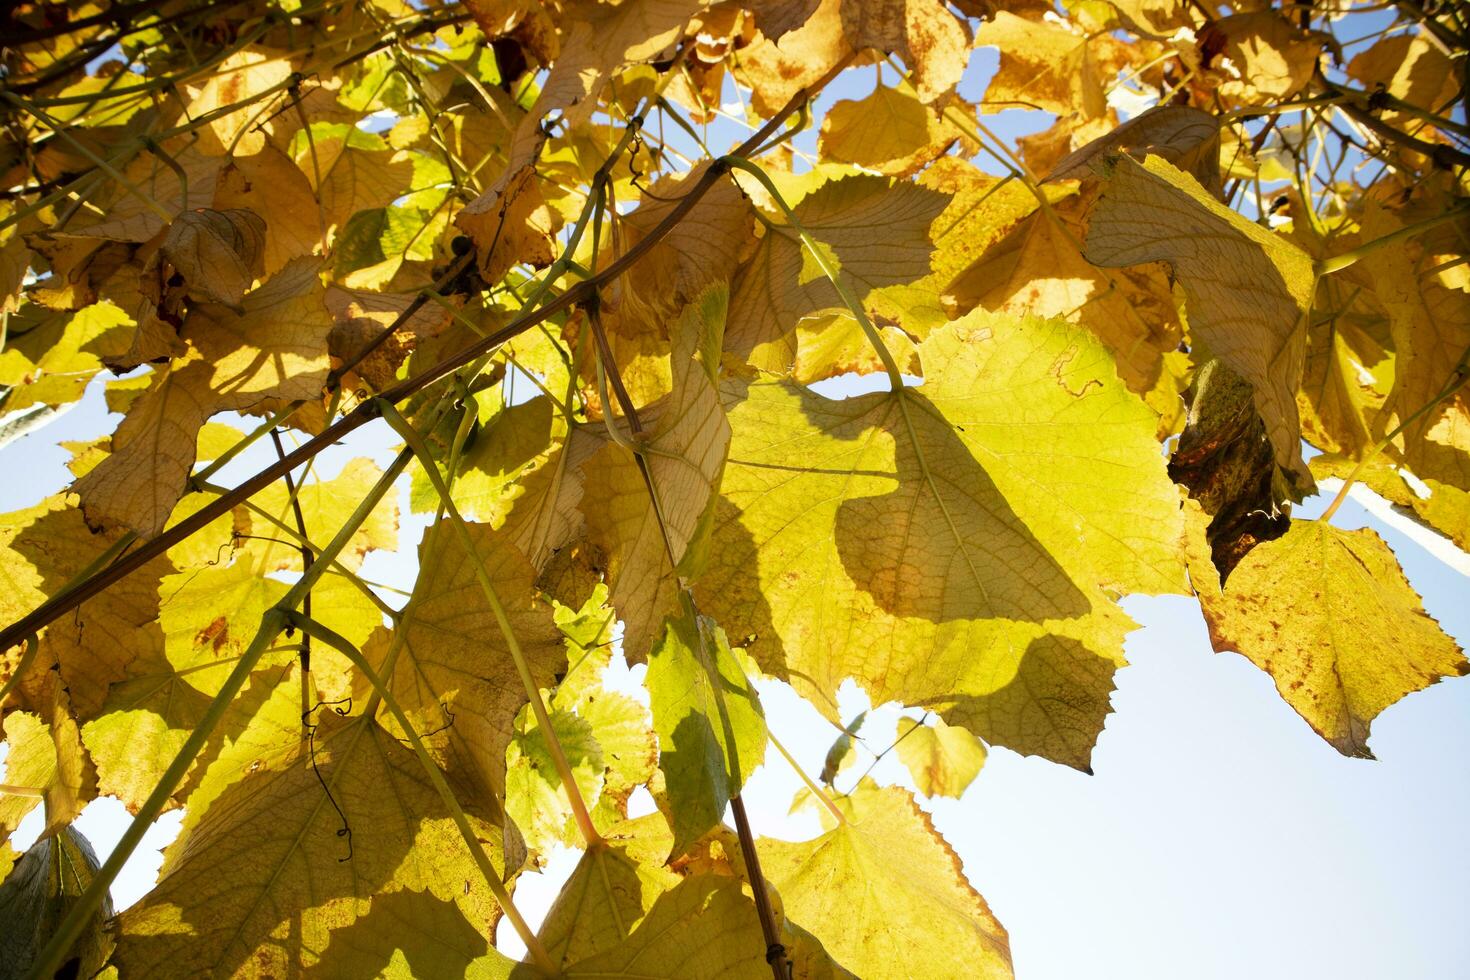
x=44, y=548
x=147, y=717
x=454, y=674
x=1409, y=67
x=51, y=361
x=890, y=131
x=1049, y=66
x=1037, y=269
x=981, y=210
x=496, y=458
x=781, y=62
x=604, y=900
x=905, y=900
x=835, y=344
x=46, y=764
x=37, y=894
x=1270, y=58
x=933, y=43
x=158, y=196
x=275, y=350
x=1349, y=369
x=325, y=507
x=349, y=170
x=1160, y=17
x=1429, y=323
x=705, y=928
x=1331, y=617
x=258, y=884
x=293, y=228
x=878, y=232
x=220, y=254
x=408, y=935
x=703, y=249
x=941, y=548
x=942, y=759
x=1247, y=289
x=546, y=519
x=239, y=80
x=646, y=540
x=510, y=224
x=602, y=38
x=711, y=727
x=212, y=614
x=1186, y=137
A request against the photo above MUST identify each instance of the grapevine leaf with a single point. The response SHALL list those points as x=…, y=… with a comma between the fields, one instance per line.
x=965, y=564
x=942, y=759
x=711, y=728
x=1247, y=289
x=454, y=674
x=906, y=900
x=257, y=885
x=890, y=131
x=643, y=531
x=36, y=895
x=275, y=350
x=409, y=935
x=876, y=230
x=1331, y=617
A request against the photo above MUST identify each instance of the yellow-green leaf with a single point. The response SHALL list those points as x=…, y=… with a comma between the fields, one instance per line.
x=943, y=759
x=1331, y=617
x=904, y=897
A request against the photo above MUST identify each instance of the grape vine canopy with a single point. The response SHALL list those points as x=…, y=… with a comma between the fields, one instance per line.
x=518, y=240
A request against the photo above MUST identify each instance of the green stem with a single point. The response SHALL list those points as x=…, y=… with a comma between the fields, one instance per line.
x=810, y=784
x=1325, y=267
x=272, y=622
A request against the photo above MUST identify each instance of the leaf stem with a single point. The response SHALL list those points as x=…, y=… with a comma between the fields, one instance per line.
x=810, y=783
x=1325, y=267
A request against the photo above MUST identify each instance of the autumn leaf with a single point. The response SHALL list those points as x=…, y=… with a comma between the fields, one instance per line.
x=777, y=288
x=907, y=900
x=918, y=523
x=272, y=837
x=274, y=350
x=1247, y=289
x=793, y=343
x=942, y=759
x=1329, y=615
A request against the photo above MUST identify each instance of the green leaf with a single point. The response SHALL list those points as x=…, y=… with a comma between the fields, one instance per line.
x=711, y=728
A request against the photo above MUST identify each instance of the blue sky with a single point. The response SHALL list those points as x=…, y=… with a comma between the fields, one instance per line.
x=1218, y=838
